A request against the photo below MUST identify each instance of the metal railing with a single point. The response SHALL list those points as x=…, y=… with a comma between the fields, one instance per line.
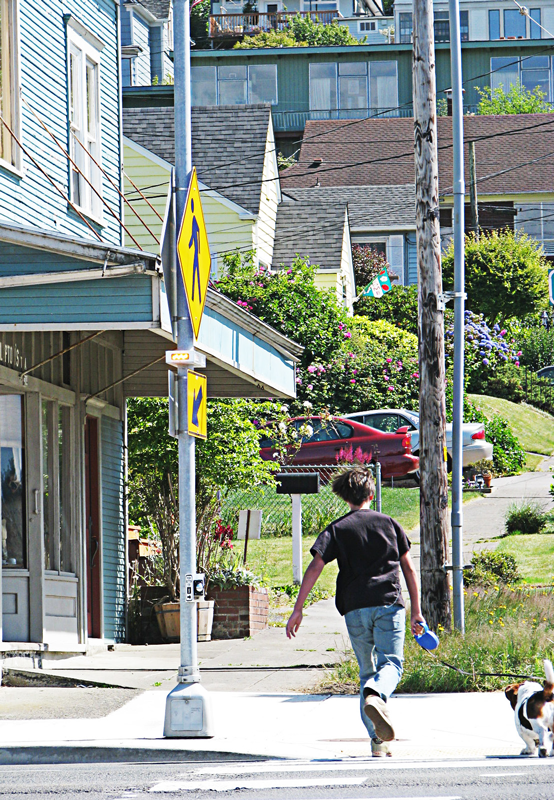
x=223, y=26
x=318, y=510
x=296, y=120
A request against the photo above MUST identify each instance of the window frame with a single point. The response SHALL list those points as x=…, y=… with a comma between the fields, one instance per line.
x=521, y=61
x=339, y=110
x=61, y=545
x=88, y=54
x=14, y=164
x=217, y=80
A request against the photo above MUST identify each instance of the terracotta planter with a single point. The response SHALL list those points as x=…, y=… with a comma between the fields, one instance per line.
x=239, y=612
x=487, y=478
x=169, y=620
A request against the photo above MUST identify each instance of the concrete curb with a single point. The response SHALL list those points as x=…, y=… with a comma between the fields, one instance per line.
x=86, y=754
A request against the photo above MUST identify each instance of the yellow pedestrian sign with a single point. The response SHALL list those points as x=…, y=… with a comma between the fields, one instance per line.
x=193, y=251
x=197, y=405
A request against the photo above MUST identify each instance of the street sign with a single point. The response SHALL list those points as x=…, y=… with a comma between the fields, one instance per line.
x=379, y=286
x=551, y=286
x=193, y=251
x=197, y=405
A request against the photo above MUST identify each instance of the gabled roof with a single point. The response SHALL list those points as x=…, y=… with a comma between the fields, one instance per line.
x=228, y=145
x=306, y=228
x=158, y=8
x=514, y=153
x=369, y=207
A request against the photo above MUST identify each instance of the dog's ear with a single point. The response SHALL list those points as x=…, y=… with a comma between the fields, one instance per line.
x=511, y=693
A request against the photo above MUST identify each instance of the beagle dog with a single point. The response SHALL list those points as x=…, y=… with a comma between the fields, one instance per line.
x=533, y=706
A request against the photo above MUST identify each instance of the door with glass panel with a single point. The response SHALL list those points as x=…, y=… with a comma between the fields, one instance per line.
x=15, y=576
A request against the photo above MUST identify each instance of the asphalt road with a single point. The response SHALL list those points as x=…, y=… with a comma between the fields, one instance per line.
x=351, y=779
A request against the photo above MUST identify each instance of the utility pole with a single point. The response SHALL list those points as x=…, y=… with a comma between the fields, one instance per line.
x=188, y=709
x=459, y=307
x=435, y=592
x=472, y=184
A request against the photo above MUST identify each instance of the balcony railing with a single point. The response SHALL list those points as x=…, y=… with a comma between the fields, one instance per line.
x=233, y=26
x=296, y=120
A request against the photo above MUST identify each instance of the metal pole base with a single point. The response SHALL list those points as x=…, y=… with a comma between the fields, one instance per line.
x=188, y=713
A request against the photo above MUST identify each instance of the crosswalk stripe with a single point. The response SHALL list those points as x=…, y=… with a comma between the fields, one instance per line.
x=229, y=786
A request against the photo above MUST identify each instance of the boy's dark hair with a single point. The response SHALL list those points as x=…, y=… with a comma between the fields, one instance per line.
x=355, y=485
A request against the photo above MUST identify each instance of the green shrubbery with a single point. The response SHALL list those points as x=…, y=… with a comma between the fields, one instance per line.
x=527, y=517
x=302, y=32
x=508, y=454
x=491, y=568
x=399, y=307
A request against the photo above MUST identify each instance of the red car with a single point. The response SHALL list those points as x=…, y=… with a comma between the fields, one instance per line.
x=332, y=439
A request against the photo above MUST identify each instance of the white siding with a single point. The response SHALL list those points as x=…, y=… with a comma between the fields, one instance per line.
x=269, y=200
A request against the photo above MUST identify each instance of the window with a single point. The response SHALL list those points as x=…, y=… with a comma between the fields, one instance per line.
x=84, y=121
x=9, y=106
x=352, y=86
x=12, y=482
x=365, y=27
x=406, y=28
x=514, y=24
x=534, y=30
x=237, y=85
x=530, y=71
x=494, y=24
x=56, y=486
x=442, y=26
x=464, y=26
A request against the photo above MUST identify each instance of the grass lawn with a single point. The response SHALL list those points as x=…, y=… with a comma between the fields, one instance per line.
x=534, y=555
x=532, y=461
x=271, y=556
x=533, y=428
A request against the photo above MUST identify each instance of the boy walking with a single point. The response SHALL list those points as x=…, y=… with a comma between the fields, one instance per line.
x=370, y=548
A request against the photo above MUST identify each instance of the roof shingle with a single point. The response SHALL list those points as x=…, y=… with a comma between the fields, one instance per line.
x=228, y=145
x=369, y=207
x=306, y=228
x=374, y=152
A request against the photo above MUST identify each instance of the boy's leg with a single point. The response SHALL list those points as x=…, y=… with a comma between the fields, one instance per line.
x=360, y=630
x=389, y=628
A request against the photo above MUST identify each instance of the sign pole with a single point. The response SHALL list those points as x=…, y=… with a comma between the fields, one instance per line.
x=188, y=709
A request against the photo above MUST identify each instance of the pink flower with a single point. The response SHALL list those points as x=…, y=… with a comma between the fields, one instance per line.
x=503, y=332
x=415, y=374
x=354, y=372
x=517, y=363
x=347, y=335
x=289, y=272
x=389, y=360
x=390, y=388
x=341, y=326
x=352, y=380
x=309, y=387
x=299, y=381
x=519, y=353
x=311, y=368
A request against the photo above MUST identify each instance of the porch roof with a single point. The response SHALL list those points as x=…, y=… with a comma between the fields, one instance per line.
x=51, y=283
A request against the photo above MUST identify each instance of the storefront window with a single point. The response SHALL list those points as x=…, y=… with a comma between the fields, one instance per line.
x=56, y=486
x=12, y=477
x=47, y=498
x=64, y=488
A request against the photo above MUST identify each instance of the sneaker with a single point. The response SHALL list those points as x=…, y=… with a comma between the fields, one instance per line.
x=379, y=749
x=376, y=710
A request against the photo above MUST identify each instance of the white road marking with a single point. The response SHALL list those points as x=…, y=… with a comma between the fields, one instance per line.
x=249, y=768
x=500, y=774
x=229, y=786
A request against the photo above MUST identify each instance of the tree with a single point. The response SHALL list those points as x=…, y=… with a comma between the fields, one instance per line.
x=228, y=460
x=199, y=22
x=302, y=32
x=368, y=263
x=517, y=100
x=506, y=274
x=289, y=301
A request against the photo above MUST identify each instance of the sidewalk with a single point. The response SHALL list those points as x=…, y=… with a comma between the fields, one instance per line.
x=258, y=690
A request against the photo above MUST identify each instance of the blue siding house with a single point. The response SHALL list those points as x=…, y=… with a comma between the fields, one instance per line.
x=84, y=324
x=147, y=42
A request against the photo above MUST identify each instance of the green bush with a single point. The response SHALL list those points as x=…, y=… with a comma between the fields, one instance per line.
x=489, y=568
x=508, y=455
x=506, y=274
x=302, y=32
x=536, y=344
x=517, y=100
x=399, y=307
x=525, y=517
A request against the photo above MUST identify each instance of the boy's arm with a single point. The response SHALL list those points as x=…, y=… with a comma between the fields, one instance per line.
x=410, y=577
x=311, y=575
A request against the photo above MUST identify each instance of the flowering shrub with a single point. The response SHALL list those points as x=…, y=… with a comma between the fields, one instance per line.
x=376, y=366
x=487, y=349
x=368, y=263
x=399, y=307
x=215, y=549
x=347, y=455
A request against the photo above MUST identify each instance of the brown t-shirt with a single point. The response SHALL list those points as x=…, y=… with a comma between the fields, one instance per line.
x=367, y=546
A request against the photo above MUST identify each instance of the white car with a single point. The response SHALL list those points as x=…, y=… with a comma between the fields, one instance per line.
x=474, y=446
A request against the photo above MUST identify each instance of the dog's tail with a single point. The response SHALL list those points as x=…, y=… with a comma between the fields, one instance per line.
x=549, y=683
